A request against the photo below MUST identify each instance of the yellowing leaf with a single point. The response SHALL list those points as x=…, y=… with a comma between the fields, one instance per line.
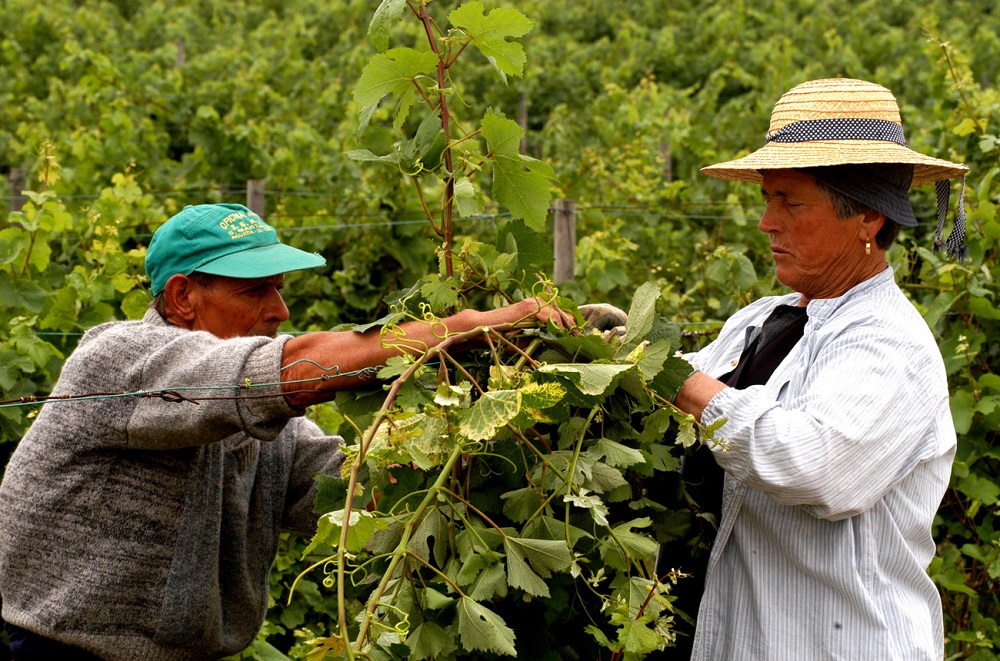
x=493, y=410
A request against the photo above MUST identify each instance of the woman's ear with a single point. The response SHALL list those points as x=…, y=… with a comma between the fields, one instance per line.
x=871, y=224
x=180, y=292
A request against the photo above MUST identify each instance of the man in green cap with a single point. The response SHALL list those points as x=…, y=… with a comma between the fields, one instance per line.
x=144, y=527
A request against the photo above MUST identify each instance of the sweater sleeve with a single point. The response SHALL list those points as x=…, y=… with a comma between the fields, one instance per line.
x=315, y=452
x=144, y=357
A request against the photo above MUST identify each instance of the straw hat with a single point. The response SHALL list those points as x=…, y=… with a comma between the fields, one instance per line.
x=835, y=121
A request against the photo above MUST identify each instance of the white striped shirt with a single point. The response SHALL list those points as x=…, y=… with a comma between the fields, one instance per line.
x=834, y=472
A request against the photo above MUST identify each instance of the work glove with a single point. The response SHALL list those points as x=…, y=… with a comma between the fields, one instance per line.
x=604, y=317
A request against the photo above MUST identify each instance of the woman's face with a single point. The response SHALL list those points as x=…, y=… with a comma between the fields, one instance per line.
x=815, y=253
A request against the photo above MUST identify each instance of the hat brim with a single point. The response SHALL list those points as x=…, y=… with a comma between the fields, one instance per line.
x=783, y=156
x=262, y=262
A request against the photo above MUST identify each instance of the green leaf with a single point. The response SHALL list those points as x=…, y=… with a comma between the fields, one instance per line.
x=520, y=504
x=13, y=243
x=468, y=198
x=629, y=544
x=362, y=525
x=365, y=155
x=440, y=294
x=615, y=454
x=547, y=527
x=592, y=379
x=428, y=641
x=135, y=304
x=641, y=315
x=982, y=308
x=482, y=630
x=545, y=555
x=655, y=426
x=654, y=357
x=491, y=411
x=520, y=183
x=490, y=583
x=331, y=493
x=962, y=410
x=519, y=575
x=489, y=34
x=635, y=635
x=534, y=254
x=395, y=366
x=980, y=488
x=392, y=72
x=386, y=16
x=434, y=600
x=433, y=526
x=672, y=375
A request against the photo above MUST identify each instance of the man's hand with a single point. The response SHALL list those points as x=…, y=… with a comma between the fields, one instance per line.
x=604, y=317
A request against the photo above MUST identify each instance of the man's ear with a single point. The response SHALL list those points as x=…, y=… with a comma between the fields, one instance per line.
x=180, y=292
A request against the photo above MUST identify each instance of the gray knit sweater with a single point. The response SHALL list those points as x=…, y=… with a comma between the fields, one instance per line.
x=139, y=528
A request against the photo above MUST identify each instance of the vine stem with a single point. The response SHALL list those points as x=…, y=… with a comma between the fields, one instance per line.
x=449, y=185
x=402, y=549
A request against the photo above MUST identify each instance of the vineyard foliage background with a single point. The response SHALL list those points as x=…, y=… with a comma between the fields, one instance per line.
x=123, y=112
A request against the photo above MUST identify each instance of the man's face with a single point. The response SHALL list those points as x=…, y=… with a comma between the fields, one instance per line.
x=237, y=307
x=815, y=253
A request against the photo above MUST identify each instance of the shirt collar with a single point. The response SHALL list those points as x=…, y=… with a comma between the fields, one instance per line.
x=823, y=308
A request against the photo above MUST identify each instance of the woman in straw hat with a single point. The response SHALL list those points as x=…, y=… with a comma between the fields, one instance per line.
x=839, y=434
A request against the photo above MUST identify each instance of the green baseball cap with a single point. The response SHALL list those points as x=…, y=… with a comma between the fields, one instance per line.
x=221, y=239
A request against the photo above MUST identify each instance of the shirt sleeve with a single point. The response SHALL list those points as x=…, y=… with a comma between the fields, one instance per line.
x=836, y=434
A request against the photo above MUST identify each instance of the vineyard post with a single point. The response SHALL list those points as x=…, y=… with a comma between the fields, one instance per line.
x=17, y=178
x=256, y=200
x=565, y=240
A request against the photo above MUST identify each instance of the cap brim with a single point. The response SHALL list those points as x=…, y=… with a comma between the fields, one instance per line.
x=783, y=156
x=262, y=262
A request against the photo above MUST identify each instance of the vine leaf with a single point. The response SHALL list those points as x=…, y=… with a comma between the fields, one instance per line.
x=428, y=641
x=489, y=34
x=362, y=526
x=392, y=72
x=596, y=506
x=632, y=545
x=615, y=454
x=490, y=583
x=440, y=293
x=520, y=183
x=480, y=629
x=592, y=379
x=545, y=557
x=468, y=198
x=641, y=315
x=491, y=411
x=386, y=16
x=635, y=635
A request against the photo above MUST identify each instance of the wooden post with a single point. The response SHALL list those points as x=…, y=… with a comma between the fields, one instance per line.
x=565, y=241
x=668, y=166
x=255, y=196
x=181, y=53
x=17, y=178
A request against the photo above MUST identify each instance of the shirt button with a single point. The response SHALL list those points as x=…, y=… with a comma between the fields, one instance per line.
x=736, y=361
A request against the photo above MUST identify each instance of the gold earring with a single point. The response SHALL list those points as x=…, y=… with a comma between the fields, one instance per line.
x=868, y=247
